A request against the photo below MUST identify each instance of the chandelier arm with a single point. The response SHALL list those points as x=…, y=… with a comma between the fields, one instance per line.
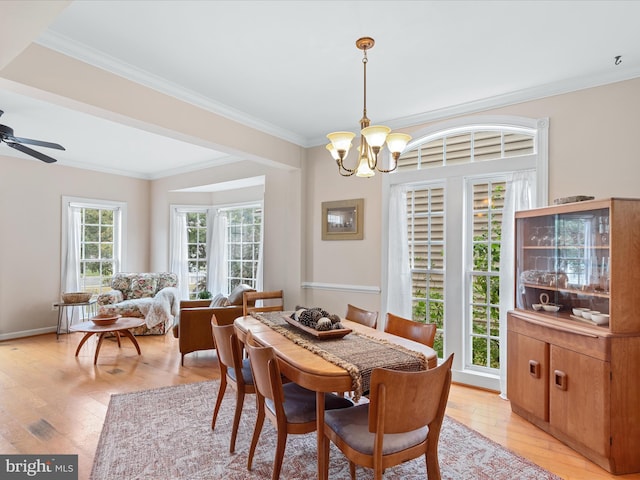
x=382, y=170
x=342, y=167
x=349, y=172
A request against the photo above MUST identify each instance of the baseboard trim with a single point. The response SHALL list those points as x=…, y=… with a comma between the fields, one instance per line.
x=27, y=333
x=341, y=287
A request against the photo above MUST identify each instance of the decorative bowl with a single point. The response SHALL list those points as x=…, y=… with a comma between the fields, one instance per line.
x=537, y=306
x=76, y=297
x=548, y=307
x=577, y=312
x=588, y=313
x=600, y=318
x=105, y=319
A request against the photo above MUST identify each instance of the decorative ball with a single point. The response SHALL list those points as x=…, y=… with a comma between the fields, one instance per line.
x=334, y=318
x=323, y=324
x=337, y=326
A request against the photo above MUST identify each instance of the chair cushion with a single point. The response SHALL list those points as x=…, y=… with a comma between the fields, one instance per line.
x=246, y=373
x=300, y=403
x=352, y=426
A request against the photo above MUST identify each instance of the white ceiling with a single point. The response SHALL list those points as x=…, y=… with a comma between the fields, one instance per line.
x=291, y=68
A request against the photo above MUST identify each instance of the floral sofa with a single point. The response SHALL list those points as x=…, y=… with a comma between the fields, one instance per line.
x=152, y=296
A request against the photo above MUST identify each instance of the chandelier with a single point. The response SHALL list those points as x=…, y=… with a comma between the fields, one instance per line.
x=372, y=138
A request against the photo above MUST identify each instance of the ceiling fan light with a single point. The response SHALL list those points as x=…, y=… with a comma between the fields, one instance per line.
x=341, y=140
x=396, y=142
x=363, y=169
x=376, y=135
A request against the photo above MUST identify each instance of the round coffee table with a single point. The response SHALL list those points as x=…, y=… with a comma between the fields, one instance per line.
x=122, y=326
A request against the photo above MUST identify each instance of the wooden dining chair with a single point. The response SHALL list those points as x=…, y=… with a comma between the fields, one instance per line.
x=289, y=407
x=271, y=301
x=386, y=431
x=365, y=317
x=234, y=371
x=424, y=333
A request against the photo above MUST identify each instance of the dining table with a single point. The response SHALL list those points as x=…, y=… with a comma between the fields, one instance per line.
x=312, y=369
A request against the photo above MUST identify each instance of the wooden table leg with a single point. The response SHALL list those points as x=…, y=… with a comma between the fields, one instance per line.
x=133, y=340
x=84, y=339
x=95, y=359
x=320, y=433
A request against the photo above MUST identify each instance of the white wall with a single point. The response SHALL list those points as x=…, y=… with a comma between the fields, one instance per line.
x=282, y=217
x=30, y=222
x=592, y=151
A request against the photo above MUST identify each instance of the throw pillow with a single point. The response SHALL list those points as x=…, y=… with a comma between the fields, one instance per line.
x=219, y=301
x=144, y=286
x=235, y=297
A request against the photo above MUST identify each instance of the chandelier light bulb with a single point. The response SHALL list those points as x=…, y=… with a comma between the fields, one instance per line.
x=396, y=142
x=363, y=169
x=376, y=135
x=341, y=141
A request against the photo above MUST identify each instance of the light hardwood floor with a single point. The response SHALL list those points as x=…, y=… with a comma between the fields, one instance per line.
x=53, y=402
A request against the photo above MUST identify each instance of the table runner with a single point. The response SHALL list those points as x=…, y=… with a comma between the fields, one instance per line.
x=357, y=353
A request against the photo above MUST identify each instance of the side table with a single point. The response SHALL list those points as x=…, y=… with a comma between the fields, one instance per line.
x=122, y=326
x=87, y=308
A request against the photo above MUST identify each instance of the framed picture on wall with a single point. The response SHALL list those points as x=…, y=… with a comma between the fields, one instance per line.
x=343, y=220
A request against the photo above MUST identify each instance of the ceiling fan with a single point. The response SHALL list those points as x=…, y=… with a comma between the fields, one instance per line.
x=6, y=136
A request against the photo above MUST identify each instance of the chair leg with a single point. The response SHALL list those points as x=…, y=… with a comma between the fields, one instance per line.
x=326, y=445
x=182, y=359
x=236, y=419
x=433, y=464
x=256, y=431
x=352, y=470
x=280, y=447
x=223, y=387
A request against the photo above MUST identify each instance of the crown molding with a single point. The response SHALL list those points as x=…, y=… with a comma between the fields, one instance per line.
x=96, y=58
x=526, y=95
x=66, y=46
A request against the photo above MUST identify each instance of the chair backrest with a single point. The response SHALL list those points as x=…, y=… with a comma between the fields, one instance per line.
x=272, y=301
x=266, y=373
x=227, y=346
x=365, y=317
x=426, y=391
x=424, y=333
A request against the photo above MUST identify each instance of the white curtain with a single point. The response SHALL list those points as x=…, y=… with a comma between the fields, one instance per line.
x=70, y=281
x=260, y=268
x=399, y=279
x=520, y=195
x=178, y=256
x=216, y=252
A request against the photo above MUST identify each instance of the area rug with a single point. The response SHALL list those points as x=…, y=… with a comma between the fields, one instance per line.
x=165, y=434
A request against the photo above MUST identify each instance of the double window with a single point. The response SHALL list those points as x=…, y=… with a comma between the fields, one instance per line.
x=214, y=249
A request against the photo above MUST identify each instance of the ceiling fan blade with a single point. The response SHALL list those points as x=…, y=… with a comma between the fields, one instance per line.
x=33, y=153
x=39, y=143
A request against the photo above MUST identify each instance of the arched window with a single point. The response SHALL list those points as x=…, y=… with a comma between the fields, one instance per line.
x=451, y=201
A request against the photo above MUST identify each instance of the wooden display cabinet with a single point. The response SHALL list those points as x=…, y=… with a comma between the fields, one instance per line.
x=573, y=378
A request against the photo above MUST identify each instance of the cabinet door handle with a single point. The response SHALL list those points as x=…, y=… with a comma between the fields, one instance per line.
x=534, y=369
x=560, y=379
